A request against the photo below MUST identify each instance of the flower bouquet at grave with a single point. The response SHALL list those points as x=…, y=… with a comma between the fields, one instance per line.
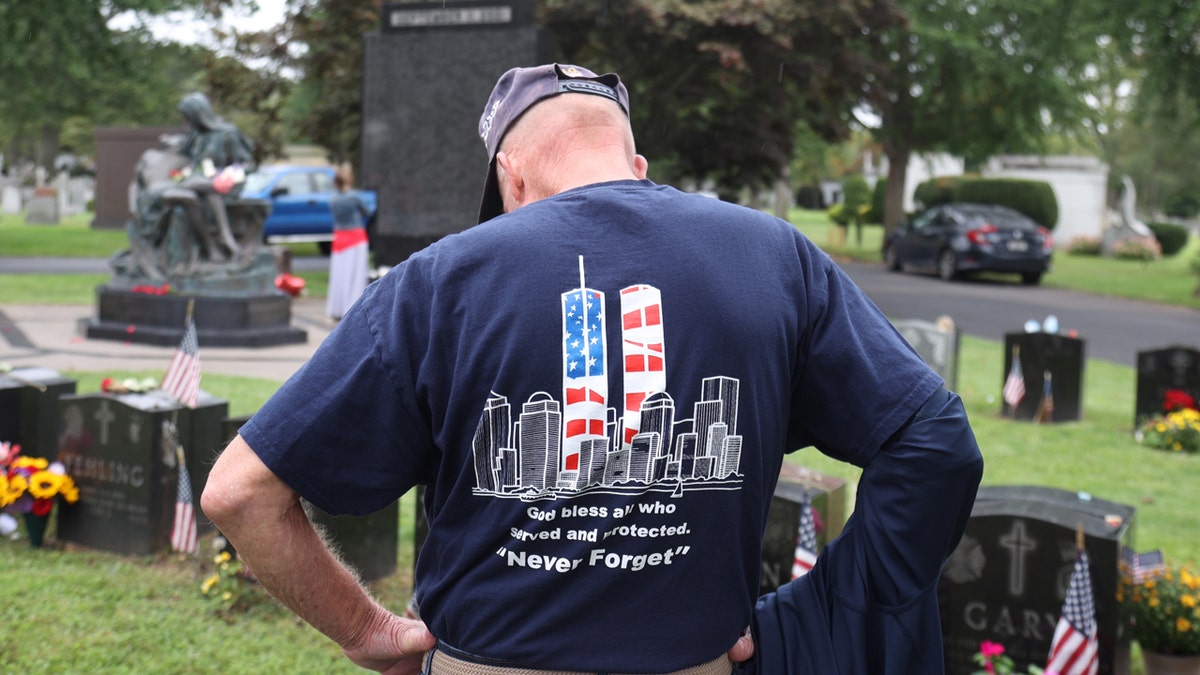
x=1177, y=429
x=30, y=486
x=994, y=661
x=1166, y=610
x=128, y=385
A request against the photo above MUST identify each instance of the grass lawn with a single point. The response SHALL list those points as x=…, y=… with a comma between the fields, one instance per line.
x=79, y=610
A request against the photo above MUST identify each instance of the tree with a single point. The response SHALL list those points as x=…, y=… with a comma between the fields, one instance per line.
x=717, y=86
x=976, y=77
x=62, y=61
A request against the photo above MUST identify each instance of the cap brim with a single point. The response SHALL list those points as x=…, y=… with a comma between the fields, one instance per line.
x=491, y=205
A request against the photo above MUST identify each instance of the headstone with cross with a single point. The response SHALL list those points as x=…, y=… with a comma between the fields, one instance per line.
x=113, y=446
x=1160, y=370
x=1007, y=579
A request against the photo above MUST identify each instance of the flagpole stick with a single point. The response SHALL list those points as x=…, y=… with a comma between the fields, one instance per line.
x=1079, y=537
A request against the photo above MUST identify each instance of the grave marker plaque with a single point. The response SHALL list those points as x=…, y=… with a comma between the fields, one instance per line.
x=1007, y=579
x=937, y=345
x=113, y=446
x=29, y=409
x=1042, y=354
x=828, y=495
x=1158, y=370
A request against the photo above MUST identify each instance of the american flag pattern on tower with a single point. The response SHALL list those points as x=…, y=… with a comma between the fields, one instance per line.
x=585, y=374
x=642, y=346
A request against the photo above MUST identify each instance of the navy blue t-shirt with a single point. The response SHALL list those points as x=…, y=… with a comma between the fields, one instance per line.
x=597, y=390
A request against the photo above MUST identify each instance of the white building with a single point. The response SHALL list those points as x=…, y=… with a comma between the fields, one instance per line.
x=1080, y=184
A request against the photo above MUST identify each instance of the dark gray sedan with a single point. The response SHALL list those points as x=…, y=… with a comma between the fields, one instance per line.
x=952, y=240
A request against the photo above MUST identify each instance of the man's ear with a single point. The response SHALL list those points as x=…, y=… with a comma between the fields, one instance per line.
x=510, y=180
x=640, y=166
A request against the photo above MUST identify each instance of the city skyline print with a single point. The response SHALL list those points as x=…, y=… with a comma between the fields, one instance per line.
x=587, y=442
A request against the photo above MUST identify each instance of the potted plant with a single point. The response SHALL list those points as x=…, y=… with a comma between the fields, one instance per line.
x=1166, y=614
x=30, y=486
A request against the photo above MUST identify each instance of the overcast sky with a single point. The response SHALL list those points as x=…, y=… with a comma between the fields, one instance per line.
x=183, y=27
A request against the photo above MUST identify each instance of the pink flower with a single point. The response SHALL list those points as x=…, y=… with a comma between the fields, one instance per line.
x=990, y=649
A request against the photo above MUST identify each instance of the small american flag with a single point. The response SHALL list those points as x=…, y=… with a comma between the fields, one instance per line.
x=1014, y=385
x=183, y=530
x=1146, y=565
x=806, y=541
x=1045, y=407
x=182, y=380
x=1075, y=649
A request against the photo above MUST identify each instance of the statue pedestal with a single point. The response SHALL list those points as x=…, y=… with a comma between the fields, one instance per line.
x=253, y=320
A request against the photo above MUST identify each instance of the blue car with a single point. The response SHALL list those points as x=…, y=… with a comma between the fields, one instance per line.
x=299, y=196
x=955, y=240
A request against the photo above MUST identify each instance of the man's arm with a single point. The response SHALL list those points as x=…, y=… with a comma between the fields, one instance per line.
x=264, y=520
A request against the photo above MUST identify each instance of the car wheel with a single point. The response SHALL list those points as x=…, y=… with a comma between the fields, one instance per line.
x=891, y=259
x=947, y=265
x=1031, y=278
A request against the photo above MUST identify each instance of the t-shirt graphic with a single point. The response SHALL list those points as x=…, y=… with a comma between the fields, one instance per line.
x=582, y=443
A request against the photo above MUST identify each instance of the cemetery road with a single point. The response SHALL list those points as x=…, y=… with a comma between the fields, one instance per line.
x=1113, y=329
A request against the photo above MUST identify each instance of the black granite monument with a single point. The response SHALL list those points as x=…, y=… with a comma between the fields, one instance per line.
x=113, y=446
x=29, y=409
x=1045, y=354
x=428, y=73
x=1007, y=579
x=1158, y=370
x=828, y=495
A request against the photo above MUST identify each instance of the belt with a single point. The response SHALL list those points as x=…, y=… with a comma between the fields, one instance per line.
x=442, y=663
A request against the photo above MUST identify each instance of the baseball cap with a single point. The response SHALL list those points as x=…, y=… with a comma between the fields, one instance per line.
x=517, y=91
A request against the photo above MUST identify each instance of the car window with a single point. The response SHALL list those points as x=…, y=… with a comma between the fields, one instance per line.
x=295, y=183
x=925, y=219
x=322, y=182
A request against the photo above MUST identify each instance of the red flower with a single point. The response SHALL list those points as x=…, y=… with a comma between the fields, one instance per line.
x=107, y=384
x=42, y=507
x=990, y=649
x=1177, y=399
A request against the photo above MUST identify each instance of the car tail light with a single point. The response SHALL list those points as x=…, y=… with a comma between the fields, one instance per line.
x=1047, y=239
x=978, y=235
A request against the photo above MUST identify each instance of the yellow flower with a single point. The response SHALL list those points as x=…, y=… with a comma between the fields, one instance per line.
x=1182, y=625
x=44, y=485
x=222, y=557
x=23, y=462
x=209, y=583
x=1178, y=447
x=1187, y=600
x=1160, y=427
x=228, y=595
x=9, y=492
x=1154, y=601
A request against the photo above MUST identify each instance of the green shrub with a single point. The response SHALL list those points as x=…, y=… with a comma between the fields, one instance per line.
x=1137, y=248
x=1170, y=236
x=938, y=190
x=839, y=214
x=1034, y=198
x=1181, y=206
x=1085, y=245
x=857, y=195
x=878, y=195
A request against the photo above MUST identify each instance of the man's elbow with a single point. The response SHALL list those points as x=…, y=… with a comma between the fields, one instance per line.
x=241, y=486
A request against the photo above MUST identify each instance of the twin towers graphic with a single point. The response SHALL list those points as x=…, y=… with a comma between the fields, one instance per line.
x=581, y=443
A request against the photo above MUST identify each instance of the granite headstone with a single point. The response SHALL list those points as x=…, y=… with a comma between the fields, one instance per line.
x=937, y=343
x=1007, y=579
x=828, y=495
x=427, y=76
x=1050, y=365
x=1158, y=370
x=115, y=448
x=43, y=209
x=29, y=409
